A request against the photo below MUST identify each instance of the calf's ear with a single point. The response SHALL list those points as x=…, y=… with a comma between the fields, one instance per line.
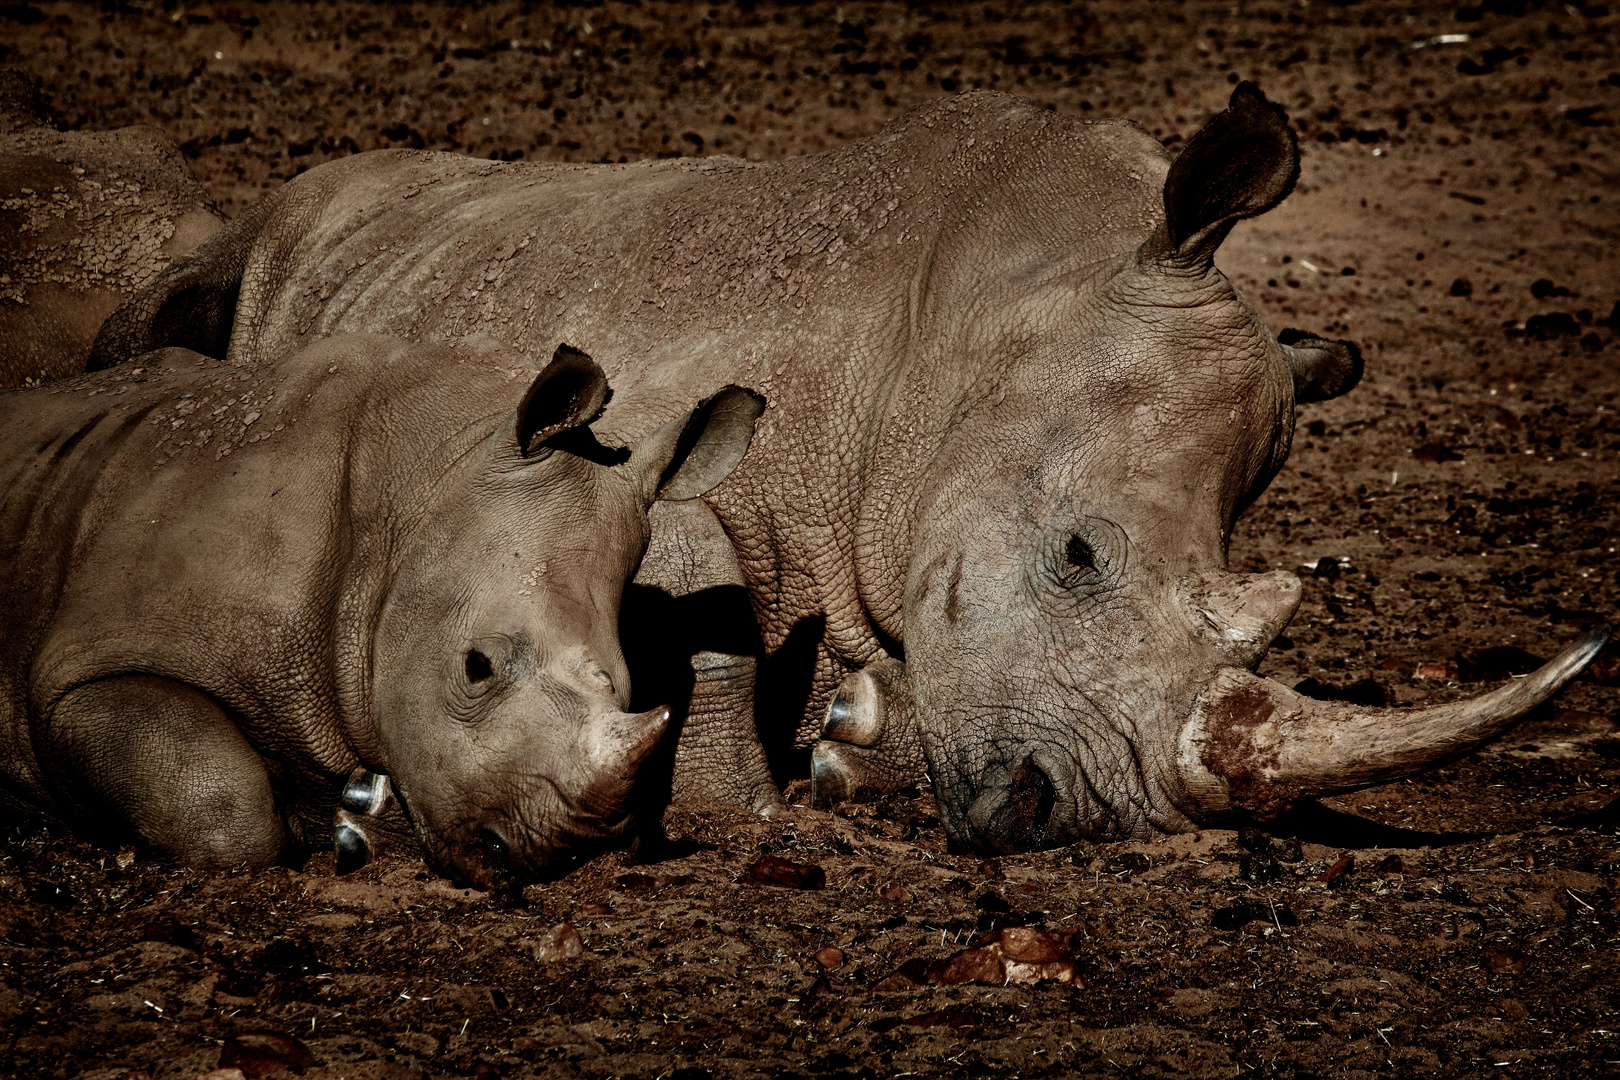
x=1240, y=164
x=687, y=457
x=1322, y=369
x=569, y=394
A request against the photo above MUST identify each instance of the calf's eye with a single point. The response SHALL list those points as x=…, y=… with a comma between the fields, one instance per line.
x=478, y=666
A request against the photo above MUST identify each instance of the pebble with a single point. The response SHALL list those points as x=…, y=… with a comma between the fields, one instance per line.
x=1501, y=960
x=830, y=957
x=562, y=943
x=1344, y=866
x=908, y=976
x=257, y=1053
x=1013, y=954
x=785, y=874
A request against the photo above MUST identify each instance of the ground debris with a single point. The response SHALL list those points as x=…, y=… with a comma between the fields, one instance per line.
x=562, y=943
x=784, y=873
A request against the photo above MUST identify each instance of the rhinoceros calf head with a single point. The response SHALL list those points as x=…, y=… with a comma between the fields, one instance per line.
x=498, y=684
x=1078, y=652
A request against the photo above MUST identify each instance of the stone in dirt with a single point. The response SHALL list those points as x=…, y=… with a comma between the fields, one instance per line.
x=260, y=1053
x=1013, y=954
x=784, y=874
x=830, y=957
x=562, y=943
x=908, y=976
x=1502, y=960
x=1339, y=869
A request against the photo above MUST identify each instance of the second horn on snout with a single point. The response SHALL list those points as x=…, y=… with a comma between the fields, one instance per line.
x=1257, y=747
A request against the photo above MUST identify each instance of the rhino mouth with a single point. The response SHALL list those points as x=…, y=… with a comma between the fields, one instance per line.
x=1015, y=808
x=492, y=850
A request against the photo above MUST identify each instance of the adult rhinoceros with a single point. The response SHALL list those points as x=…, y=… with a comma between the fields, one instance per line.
x=86, y=218
x=224, y=589
x=1015, y=410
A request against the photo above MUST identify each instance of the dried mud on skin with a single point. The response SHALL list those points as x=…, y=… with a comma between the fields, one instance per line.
x=1457, y=216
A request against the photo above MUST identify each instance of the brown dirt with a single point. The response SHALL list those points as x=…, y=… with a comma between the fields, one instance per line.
x=1470, y=480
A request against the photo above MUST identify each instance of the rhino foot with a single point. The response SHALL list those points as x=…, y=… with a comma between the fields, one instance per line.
x=869, y=744
x=357, y=827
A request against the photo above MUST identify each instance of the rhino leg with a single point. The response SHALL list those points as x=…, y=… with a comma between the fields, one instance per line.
x=869, y=744
x=718, y=755
x=167, y=763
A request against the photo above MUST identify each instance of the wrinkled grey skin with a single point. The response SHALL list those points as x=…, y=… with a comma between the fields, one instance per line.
x=1015, y=411
x=86, y=219
x=226, y=588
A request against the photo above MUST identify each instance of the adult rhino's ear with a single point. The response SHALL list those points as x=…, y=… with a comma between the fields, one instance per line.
x=1322, y=369
x=687, y=457
x=569, y=394
x=1240, y=164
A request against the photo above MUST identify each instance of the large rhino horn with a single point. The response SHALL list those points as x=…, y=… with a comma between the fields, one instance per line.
x=1255, y=746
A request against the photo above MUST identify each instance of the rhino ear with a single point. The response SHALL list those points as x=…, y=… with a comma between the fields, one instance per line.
x=570, y=393
x=1240, y=164
x=1322, y=369
x=687, y=457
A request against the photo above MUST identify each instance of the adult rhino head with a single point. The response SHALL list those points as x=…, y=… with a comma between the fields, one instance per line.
x=499, y=686
x=1078, y=656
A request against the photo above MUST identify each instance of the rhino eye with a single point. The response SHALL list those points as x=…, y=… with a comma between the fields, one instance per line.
x=478, y=666
x=1080, y=563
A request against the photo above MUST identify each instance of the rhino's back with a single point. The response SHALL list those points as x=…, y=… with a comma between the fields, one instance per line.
x=658, y=261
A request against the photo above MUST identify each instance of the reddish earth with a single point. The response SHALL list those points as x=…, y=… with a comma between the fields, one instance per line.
x=1457, y=216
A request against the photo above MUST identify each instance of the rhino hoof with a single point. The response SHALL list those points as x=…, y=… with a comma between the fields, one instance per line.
x=855, y=713
x=832, y=780
x=351, y=848
x=869, y=744
x=366, y=793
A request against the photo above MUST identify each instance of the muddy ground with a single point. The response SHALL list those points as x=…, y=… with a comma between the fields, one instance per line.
x=1457, y=215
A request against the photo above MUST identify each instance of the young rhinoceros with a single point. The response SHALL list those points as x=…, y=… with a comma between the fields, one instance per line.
x=225, y=589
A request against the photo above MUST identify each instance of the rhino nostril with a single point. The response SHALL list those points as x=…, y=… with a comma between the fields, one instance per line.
x=1031, y=800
